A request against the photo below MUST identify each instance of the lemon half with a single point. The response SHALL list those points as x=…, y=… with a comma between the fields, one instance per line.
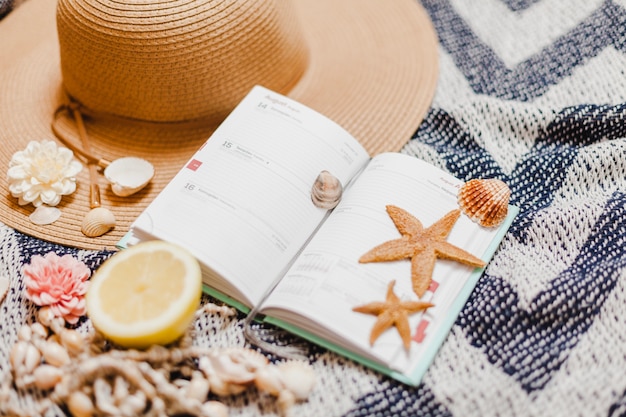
x=146, y=294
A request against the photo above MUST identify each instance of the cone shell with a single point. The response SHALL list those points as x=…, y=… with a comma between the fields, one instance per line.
x=485, y=201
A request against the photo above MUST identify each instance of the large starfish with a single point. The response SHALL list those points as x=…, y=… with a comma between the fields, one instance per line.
x=392, y=312
x=422, y=246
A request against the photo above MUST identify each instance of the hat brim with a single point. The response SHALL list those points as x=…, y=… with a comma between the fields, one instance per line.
x=373, y=69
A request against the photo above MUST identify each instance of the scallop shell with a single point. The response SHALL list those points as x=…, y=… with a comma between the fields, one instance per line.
x=97, y=222
x=44, y=215
x=128, y=175
x=326, y=191
x=485, y=201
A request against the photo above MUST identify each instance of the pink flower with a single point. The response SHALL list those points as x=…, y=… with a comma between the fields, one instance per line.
x=58, y=282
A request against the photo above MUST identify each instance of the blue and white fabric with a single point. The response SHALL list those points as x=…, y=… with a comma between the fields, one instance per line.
x=532, y=92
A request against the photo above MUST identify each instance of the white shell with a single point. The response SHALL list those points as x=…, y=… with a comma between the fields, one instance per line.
x=24, y=358
x=97, y=222
x=198, y=387
x=326, y=191
x=297, y=377
x=55, y=354
x=235, y=365
x=25, y=333
x=4, y=287
x=128, y=175
x=47, y=376
x=80, y=404
x=215, y=409
x=268, y=380
x=45, y=315
x=72, y=341
x=44, y=215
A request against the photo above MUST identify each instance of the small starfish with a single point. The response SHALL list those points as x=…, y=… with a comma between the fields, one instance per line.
x=394, y=312
x=423, y=246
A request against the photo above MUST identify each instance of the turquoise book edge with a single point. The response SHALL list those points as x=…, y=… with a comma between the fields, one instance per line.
x=225, y=299
x=439, y=337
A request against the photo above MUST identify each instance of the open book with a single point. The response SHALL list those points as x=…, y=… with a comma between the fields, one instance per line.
x=242, y=205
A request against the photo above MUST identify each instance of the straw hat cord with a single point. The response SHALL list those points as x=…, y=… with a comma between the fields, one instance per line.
x=73, y=108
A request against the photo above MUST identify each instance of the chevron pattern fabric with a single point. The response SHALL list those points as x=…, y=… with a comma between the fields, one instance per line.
x=532, y=92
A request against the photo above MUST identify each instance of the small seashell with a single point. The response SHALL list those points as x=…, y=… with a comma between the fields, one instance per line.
x=44, y=215
x=134, y=404
x=198, y=387
x=326, y=191
x=39, y=330
x=47, y=376
x=103, y=395
x=286, y=399
x=4, y=287
x=80, y=404
x=222, y=388
x=289, y=382
x=268, y=380
x=55, y=354
x=45, y=316
x=297, y=377
x=121, y=388
x=97, y=222
x=485, y=201
x=54, y=338
x=25, y=333
x=72, y=341
x=128, y=175
x=232, y=365
x=24, y=358
x=249, y=358
x=214, y=409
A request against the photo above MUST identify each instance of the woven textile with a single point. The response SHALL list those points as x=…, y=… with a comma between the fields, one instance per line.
x=532, y=92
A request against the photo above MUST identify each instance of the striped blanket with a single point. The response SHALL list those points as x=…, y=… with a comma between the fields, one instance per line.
x=532, y=92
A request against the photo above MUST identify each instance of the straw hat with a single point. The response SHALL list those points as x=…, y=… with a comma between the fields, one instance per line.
x=154, y=79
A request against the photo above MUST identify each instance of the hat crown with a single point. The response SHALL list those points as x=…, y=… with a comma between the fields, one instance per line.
x=176, y=60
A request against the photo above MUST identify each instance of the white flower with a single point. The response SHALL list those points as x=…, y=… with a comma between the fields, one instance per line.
x=42, y=173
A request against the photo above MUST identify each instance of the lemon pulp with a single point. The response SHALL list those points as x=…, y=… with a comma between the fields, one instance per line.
x=145, y=295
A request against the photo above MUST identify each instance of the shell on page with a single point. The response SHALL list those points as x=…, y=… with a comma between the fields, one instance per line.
x=326, y=191
x=128, y=175
x=485, y=201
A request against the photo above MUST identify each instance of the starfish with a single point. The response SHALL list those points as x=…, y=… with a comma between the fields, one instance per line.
x=422, y=246
x=394, y=312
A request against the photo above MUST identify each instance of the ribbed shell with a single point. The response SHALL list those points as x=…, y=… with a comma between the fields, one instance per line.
x=97, y=222
x=485, y=201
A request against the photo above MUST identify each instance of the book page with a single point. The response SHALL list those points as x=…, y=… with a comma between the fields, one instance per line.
x=242, y=203
x=327, y=281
